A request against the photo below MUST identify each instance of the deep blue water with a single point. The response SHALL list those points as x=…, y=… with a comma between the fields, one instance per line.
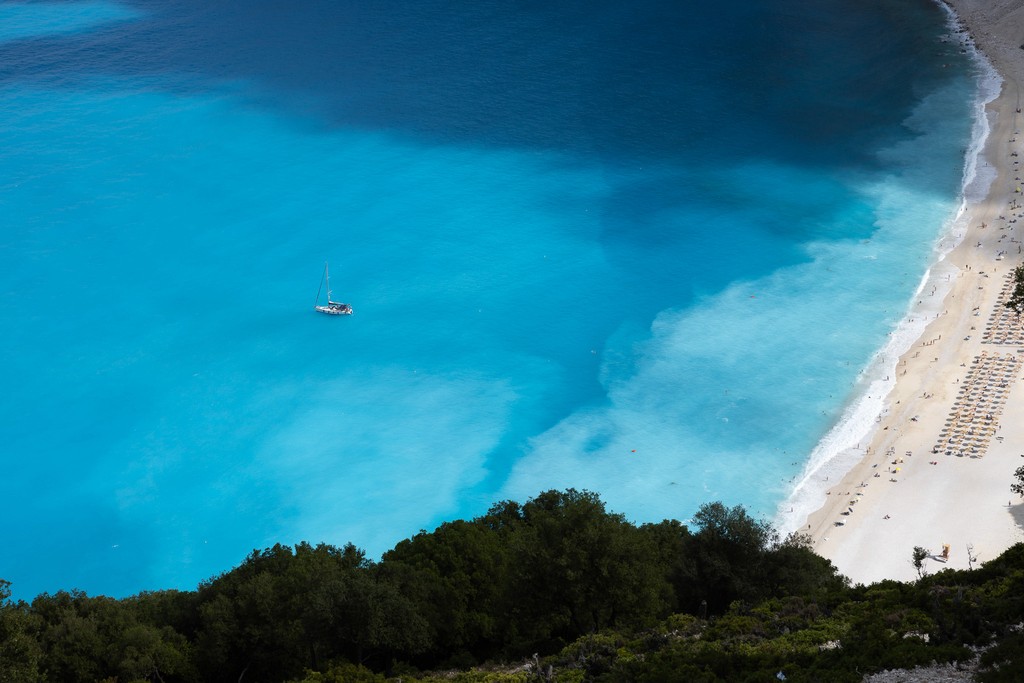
x=645, y=249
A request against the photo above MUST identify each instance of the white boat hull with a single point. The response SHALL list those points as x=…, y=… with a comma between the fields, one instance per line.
x=335, y=309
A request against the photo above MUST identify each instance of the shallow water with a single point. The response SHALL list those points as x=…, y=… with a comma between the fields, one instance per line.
x=638, y=250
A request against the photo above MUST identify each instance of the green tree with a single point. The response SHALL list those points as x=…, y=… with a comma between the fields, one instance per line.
x=793, y=568
x=917, y=558
x=461, y=573
x=89, y=639
x=1018, y=485
x=174, y=608
x=579, y=569
x=19, y=651
x=246, y=631
x=674, y=546
x=389, y=622
x=284, y=610
x=144, y=652
x=343, y=673
x=74, y=636
x=317, y=585
x=730, y=549
x=1016, y=300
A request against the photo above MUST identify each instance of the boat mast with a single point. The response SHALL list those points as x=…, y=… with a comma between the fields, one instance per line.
x=327, y=276
x=320, y=289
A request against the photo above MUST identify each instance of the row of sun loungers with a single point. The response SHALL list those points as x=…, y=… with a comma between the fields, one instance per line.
x=975, y=415
x=1004, y=324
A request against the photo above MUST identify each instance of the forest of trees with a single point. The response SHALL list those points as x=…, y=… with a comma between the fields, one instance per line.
x=574, y=591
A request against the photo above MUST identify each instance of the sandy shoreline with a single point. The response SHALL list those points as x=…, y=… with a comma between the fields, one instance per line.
x=940, y=460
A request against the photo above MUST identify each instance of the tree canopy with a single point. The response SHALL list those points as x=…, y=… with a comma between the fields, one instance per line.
x=558, y=582
x=1016, y=298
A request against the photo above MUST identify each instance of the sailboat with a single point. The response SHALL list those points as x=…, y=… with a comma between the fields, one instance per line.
x=332, y=307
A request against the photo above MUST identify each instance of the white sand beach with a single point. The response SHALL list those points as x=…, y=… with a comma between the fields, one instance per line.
x=939, y=464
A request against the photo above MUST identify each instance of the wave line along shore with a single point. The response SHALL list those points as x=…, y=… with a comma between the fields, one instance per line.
x=900, y=488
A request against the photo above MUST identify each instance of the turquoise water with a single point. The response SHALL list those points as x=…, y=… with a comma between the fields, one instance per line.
x=639, y=250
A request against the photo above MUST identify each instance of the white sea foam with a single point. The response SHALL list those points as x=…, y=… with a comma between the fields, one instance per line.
x=843, y=446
